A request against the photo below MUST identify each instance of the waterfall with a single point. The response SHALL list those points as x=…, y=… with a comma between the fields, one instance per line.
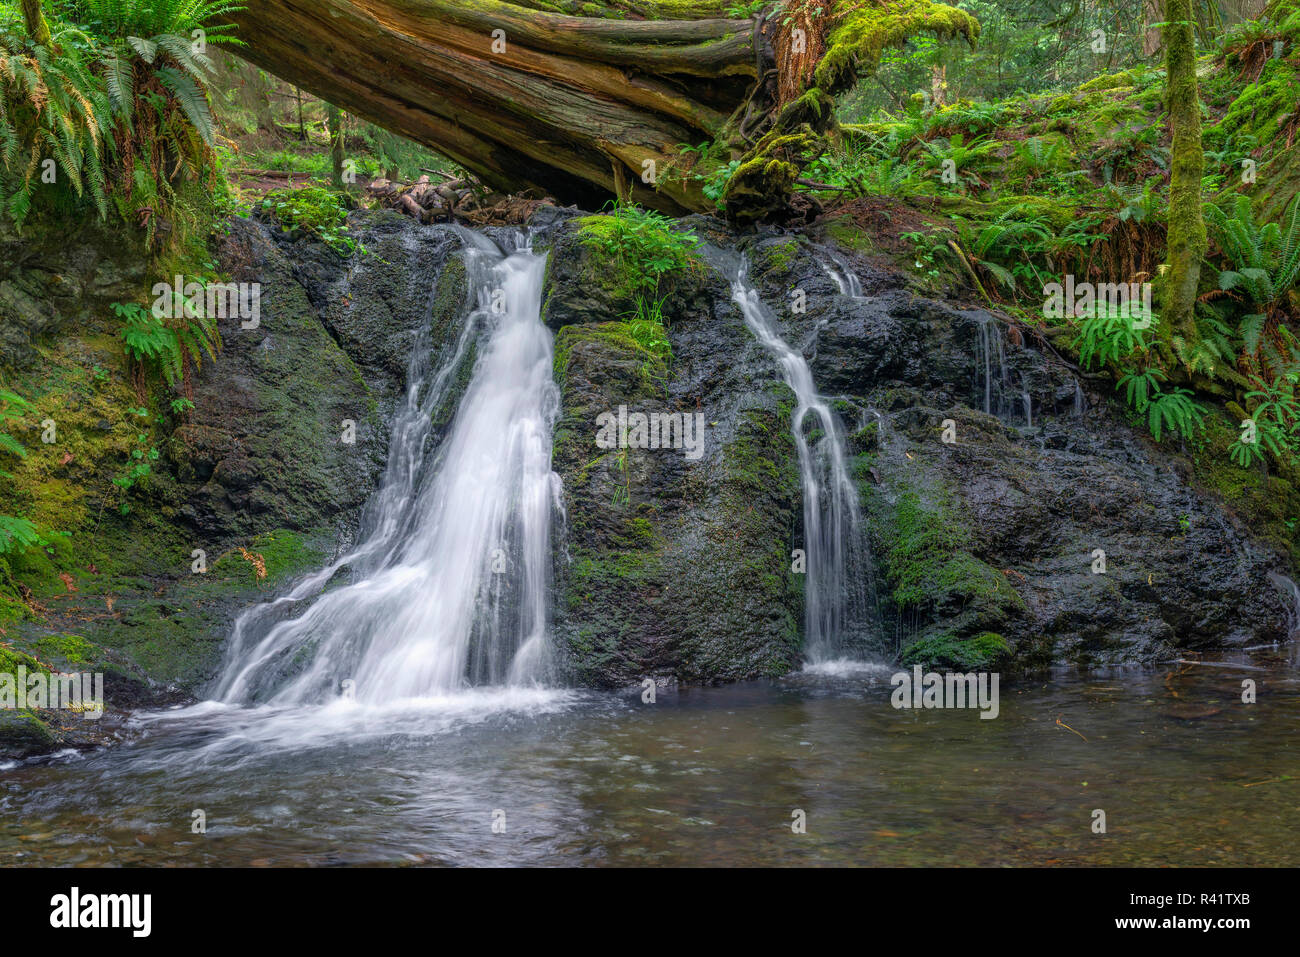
x=991, y=350
x=1291, y=591
x=836, y=568
x=1080, y=401
x=845, y=279
x=449, y=586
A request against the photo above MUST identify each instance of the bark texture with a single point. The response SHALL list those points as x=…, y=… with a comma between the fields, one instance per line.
x=524, y=98
x=526, y=95
x=1187, y=239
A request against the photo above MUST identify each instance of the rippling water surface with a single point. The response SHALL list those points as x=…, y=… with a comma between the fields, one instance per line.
x=1186, y=773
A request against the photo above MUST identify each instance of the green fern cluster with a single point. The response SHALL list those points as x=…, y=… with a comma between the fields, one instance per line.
x=15, y=532
x=52, y=107
x=1112, y=337
x=123, y=18
x=117, y=99
x=170, y=345
x=1276, y=418
x=1265, y=268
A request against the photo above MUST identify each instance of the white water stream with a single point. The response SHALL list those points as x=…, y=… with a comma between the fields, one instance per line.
x=831, y=519
x=449, y=587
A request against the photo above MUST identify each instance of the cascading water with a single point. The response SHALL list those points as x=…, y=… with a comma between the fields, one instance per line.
x=845, y=279
x=450, y=583
x=992, y=351
x=1080, y=401
x=837, y=572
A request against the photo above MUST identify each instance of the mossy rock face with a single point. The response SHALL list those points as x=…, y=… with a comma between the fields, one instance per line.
x=244, y=494
x=995, y=531
x=60, y=278
x=985, y=651
x=588, y=280
x=23, y=734
x=672, y=566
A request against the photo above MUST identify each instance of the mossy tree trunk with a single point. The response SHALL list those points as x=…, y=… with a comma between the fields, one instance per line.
x=38, y=28
x=1187, y=239
x=526, y=96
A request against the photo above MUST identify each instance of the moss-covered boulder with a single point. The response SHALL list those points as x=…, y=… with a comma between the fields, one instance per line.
x=670, y=567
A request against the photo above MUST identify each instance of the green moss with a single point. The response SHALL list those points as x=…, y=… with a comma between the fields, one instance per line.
x=930, y=565
x=849, y=234
x=280, y=554
x=767, y=174
x=1270, y=501
x=1109, y=81
x=69, y=649
x=611, y=335
x=857, y=42
x=1263, y=107
x=11, y=659
x=946, y=651
x=779, y=257
x=761, y=452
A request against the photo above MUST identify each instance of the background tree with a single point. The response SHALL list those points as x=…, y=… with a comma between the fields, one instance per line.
x=37, y=27
x=1187, y=238
x=334, y=121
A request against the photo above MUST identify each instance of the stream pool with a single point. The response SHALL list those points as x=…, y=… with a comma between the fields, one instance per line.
x=1186, y=773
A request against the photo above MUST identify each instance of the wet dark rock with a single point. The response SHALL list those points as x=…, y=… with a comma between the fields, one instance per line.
x=994, y=535
x=60, y=278
x=670, y=567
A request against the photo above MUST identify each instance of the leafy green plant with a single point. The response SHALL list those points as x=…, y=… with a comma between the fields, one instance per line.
x=927, y=252
x=52, y=107
x=12, y=406
x=1018, y=236
x=1173, y=412
x=1136, y=202
x=1110, y=335
x=965, y=157
x=648, y=241
x=15, y=532
x=317, y=210
x=1265, y=264
x=125, y=18
x=139, y=462
x=715, y=184
x=1276, y=417
x=648, y=329
x=118, y=101
x=172, y=345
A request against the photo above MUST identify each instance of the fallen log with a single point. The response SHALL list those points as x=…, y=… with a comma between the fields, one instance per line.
x=583, y=108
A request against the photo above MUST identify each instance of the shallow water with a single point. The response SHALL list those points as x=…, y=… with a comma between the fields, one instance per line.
x=1186, y=773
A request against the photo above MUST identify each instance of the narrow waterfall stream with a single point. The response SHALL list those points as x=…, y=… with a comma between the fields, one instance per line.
x=832, y=524
x=993, y=357
x=450, y=585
